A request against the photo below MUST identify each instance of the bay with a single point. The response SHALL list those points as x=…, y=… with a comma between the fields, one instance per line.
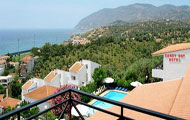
x=12, y=40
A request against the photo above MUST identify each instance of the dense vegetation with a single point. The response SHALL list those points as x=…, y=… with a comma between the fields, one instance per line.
x=166, y=31
x=124, y=51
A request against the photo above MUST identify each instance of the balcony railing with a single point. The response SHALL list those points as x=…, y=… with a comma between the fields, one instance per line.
x=70, y=101
x=159, y=66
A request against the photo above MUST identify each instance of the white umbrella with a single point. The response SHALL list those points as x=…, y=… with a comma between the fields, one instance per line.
x=82, y=109
x=136, y=83
x=108, y=80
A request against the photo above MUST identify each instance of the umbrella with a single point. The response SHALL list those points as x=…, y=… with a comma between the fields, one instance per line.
x=82, y=109
x=136, y=83
x=108, y=80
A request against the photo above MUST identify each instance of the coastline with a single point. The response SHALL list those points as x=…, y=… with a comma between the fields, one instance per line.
x=25, y=40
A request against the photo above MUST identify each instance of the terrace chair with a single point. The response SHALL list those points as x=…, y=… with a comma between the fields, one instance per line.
x=116, y=88
x=119, y=88
x=125, y=90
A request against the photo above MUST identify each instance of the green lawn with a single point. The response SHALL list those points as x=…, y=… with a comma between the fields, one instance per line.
x=16, y=58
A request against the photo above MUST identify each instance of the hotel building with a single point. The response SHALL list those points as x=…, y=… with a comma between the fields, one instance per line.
x=175, y=61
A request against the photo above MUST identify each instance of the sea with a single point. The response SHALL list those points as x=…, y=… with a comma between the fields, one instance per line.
x=19, y=40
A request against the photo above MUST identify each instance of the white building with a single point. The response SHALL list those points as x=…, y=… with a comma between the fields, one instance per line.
x=6, y=80
x=2, y=63
x=1, y=70
x=5, y=57
x=40, y=93
x=30, y=85
x=175, y=61
x=79, y=75
x=27, y=65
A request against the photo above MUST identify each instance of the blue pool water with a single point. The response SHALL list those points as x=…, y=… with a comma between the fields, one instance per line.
x=113, y=95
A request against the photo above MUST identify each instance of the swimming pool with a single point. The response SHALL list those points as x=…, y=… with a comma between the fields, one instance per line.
x=113, y=95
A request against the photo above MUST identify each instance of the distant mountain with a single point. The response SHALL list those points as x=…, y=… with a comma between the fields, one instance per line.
x=134, y=13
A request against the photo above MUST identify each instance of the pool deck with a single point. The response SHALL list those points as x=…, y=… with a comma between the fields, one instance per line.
x=104, y=93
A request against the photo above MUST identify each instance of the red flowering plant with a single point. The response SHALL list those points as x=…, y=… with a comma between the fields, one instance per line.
x=60, y=98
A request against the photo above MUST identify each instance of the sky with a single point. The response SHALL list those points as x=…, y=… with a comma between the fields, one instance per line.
x=58, y=14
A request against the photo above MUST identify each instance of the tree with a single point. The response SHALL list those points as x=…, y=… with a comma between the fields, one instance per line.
x=45, y=50
x=63, y=97
x=16, y=88
x=29, y=112
x=5, y=72
x=35, y=51
x=99, y=75
x=2, y=89
x=90, y=87
x=9, y=109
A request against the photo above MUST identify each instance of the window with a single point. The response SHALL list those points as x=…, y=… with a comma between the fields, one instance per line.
x=86, y=66
x=83, y=83
x=73, y=78
x=86, y=77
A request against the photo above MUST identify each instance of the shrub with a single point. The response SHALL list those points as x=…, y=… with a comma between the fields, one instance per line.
x=99, y=75
x=89, y=88
x=63, y=97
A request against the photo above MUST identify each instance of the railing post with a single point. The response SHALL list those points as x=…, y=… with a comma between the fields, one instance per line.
x=18, y=115
x=70, y=102
x=121, y=118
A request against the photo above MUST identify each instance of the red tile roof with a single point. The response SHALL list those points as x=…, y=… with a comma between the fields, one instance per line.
x=50, y=76
x=26, y=59
x=4, y=57
x=1, y=96
x=172, y=48
x=2, y=61
x=36, y=57
x=76, y=67
x=41, y=92
x=13, y=63
x=181, y=105
x=169, y=97
x=27, y=85
x=8, y=101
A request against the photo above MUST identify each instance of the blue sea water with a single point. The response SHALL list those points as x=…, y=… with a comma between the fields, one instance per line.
x=31, y=38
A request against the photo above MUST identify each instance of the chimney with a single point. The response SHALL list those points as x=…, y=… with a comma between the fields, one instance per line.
x=81, y=61
x=7, y=92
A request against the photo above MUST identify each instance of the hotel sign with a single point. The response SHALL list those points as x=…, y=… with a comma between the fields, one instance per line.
x=175, y=57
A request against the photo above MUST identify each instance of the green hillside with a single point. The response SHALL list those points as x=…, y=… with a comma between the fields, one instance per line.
x=124, y=51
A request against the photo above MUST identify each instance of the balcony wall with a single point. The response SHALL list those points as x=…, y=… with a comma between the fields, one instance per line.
x=157, y=73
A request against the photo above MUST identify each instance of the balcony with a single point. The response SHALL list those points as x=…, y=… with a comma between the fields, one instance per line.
x=70, y=101
x=157, y=72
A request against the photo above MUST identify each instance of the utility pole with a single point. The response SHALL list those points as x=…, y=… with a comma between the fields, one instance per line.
x=18, y=47
x=34, y=39
x=56, y=40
